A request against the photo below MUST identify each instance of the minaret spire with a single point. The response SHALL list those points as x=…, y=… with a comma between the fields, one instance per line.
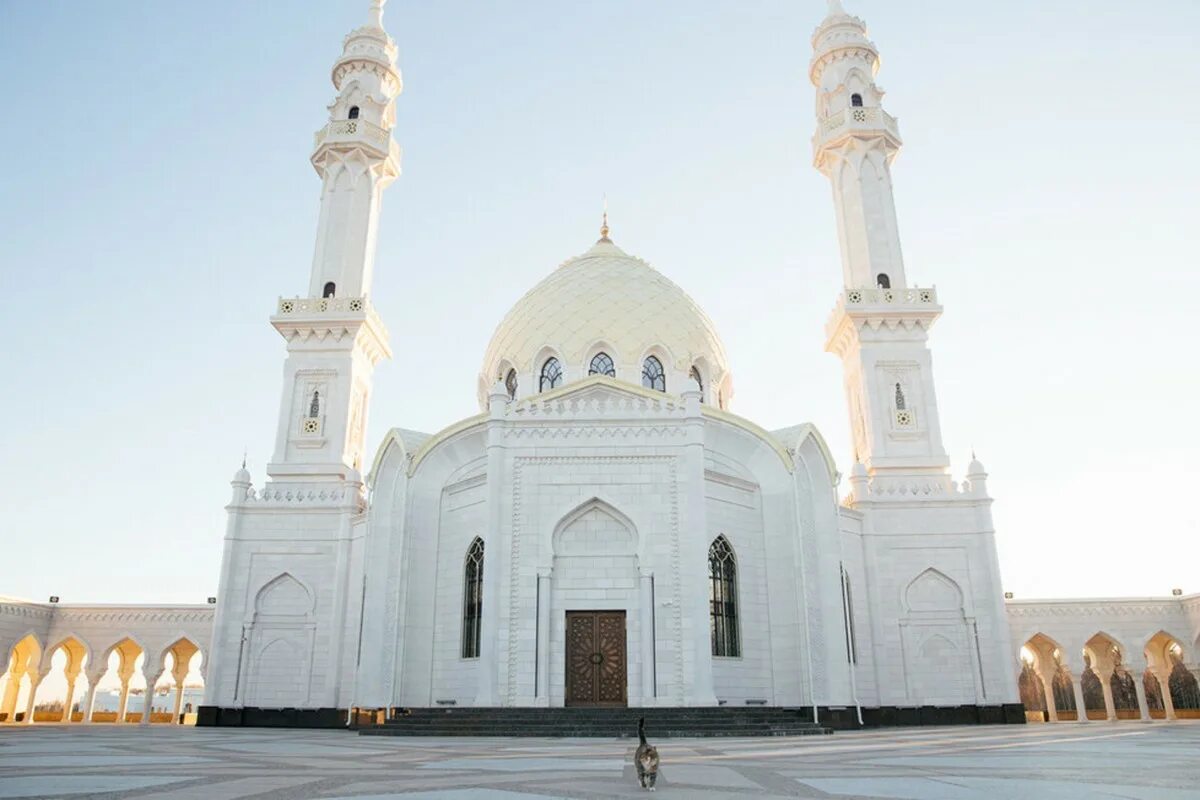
x=835, y=8
x=375, y=17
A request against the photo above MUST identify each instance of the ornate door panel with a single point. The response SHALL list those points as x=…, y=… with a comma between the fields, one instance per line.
x=596, y=670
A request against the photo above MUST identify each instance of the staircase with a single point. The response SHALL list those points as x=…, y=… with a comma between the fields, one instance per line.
x=661, y=723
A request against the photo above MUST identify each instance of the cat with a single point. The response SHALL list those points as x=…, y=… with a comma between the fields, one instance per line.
x=645, y=759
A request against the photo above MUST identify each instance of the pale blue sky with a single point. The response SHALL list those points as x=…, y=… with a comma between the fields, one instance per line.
x=157, y=199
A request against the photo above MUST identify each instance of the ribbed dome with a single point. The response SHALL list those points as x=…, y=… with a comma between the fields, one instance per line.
x=606, y=300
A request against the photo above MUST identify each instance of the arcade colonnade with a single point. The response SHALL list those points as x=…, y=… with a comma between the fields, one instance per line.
x=155, y=641
x=1115, y=659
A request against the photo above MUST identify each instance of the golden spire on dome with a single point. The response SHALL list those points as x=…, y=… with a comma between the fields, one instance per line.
x=604, y=222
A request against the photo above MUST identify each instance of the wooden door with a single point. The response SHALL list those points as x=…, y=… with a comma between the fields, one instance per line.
x=596, y=671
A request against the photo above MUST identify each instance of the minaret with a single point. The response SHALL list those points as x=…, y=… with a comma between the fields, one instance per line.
x=334, y=336
x=879, y=327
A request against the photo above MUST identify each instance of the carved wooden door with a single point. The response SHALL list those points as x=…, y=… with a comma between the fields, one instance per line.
x=596, y=672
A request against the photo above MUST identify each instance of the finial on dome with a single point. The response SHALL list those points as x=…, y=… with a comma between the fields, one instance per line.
x=375, y=17
x=604, y=222
x=243, y=459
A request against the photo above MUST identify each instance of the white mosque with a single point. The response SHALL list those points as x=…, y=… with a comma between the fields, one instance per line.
x=607, y=531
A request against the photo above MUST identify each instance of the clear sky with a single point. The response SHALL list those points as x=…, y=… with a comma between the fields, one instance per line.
x=156, y=200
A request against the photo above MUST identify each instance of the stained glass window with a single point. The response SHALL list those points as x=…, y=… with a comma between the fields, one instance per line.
x=472, y=599
x=900, y=403
x=602, y=365
x=552, y=376
x=722, y=594
x=314, y=408
x=653, y=376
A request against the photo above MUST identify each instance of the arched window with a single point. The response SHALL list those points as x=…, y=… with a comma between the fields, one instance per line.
x=653, y=376
x=856, y=100
x=330, y=290
x=354, y=112
x=510, y=384
x=900, y=402
x=552, y=376
x=722, y=595
x=694, y=374
x=472, y=599
x=314, y=408
x=883, y=281
x=602, y=365
x=848, y=613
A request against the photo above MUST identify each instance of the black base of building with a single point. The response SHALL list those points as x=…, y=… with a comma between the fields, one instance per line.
x=677, y=722
x=846, y=718
x=215, y=716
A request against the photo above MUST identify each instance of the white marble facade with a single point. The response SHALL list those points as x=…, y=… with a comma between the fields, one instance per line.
x=605, y=466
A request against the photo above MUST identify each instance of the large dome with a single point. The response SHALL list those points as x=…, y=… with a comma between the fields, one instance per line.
x=606, y=301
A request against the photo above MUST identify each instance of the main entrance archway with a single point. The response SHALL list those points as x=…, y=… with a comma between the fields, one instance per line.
x=596, y=671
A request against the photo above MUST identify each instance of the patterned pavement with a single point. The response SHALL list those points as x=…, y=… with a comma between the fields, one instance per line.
x=1143, y=761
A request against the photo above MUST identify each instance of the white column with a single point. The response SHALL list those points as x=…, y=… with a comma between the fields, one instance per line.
x=1077, y=685
x=543, y=640
x=1140, y=687
x=1048, y=693
x=89, y=700
x=35, y=680
x=495, y=559
x=1164, y=687
x=148, y=705
x=179, y=674
x=71, y=678
x=646, y=623
x=11, y=692
x=122, y=703
x=1110, y=710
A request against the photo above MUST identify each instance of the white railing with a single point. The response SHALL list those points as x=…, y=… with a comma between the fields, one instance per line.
x=356, y=130
x=321, y=305
x=859, y=118
x=913, y=296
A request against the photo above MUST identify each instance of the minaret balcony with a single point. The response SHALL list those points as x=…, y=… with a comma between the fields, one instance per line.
x=911, y=309
x=332, y=319
x=858, y=120
x=356, y=133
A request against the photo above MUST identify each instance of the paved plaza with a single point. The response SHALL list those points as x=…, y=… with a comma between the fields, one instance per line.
x=1035, y=762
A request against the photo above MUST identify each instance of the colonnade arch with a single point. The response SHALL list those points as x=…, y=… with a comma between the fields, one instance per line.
x=1106, y=677
x=62, y=682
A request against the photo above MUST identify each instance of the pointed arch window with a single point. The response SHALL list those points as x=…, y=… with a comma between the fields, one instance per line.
x=510, y=384
x=314, y=407
x=552, y=375
x=695, y=375
x=330, y=290
x=900, y=401
x=856, y=100
x=353, y=113
x=472, y=599
x=722, y=596
x=602, y=364
x=653, y=376
x=883, y=281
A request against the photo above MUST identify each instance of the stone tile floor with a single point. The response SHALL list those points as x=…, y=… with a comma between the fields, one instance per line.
x=1035, y=762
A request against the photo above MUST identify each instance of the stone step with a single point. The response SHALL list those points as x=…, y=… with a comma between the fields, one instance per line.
x=663, y=722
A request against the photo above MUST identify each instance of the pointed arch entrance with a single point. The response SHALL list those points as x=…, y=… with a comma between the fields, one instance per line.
x=594, y=618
